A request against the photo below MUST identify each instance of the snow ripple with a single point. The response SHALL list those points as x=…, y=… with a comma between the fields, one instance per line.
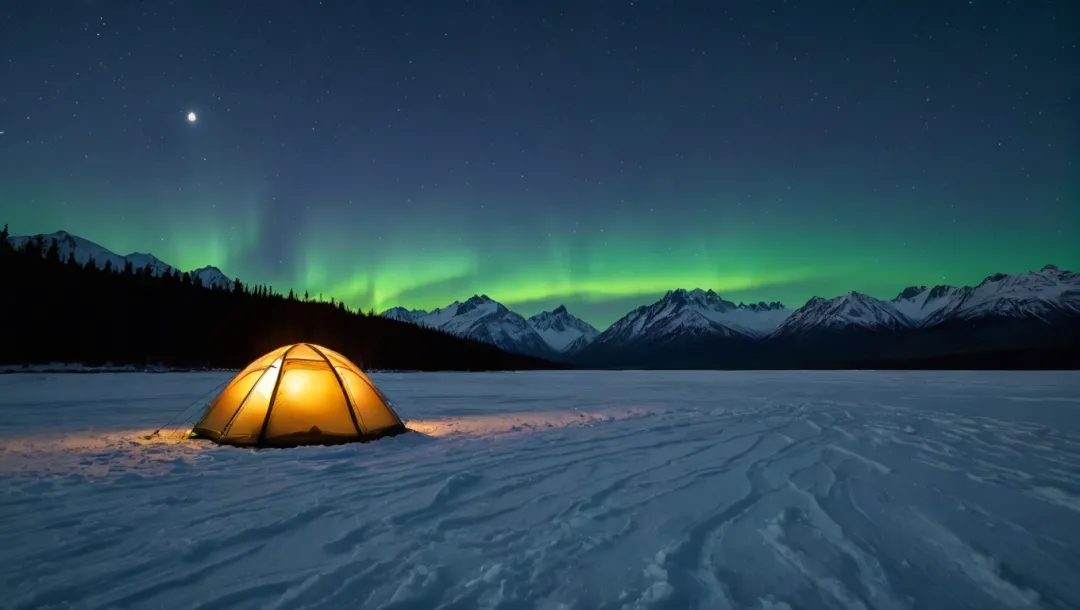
x=634, y=491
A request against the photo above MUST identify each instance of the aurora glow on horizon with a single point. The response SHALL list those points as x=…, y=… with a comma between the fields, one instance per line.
x=594, y=156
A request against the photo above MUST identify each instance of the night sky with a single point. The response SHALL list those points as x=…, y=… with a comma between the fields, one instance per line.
x=591, y=153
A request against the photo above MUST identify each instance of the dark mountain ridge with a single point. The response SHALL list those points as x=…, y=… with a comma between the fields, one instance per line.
x=57, y=310
x=1033, y=315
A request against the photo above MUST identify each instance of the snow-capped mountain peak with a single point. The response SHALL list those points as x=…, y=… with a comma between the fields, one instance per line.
x=472, y=314
x=851, y=310
x=436, y=318
x=84, y=250
x=563, y=331
x=763, y=306
x=480, y=302
x=910, y=293
x=142, y=260
x=72, y=245
x=693, y=313
x=918, y=303
x=482, y=318
x=699, y=297
x=1043, y=294
x=212, y=277
x=404, y=315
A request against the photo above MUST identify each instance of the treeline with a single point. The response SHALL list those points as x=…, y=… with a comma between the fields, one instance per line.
x=58, y=310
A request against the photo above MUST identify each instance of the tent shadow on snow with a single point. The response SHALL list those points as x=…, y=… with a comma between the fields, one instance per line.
x=299, y=394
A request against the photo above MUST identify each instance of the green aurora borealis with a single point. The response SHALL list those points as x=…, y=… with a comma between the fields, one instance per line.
x=599, y=272
x=580, y=153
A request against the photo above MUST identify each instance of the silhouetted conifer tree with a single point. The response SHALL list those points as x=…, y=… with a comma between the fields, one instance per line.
x=52, y=252
x=64, y=311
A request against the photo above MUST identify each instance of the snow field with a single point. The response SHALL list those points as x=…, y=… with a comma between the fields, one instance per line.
x=557, y=490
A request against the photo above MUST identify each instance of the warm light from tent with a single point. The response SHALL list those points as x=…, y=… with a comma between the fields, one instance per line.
x=260, y=394
x=299, y=394
x=295, y=382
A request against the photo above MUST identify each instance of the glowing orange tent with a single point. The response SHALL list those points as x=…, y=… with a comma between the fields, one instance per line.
x=301, y=394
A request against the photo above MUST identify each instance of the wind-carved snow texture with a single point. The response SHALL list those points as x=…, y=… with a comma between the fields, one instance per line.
x=557, y=490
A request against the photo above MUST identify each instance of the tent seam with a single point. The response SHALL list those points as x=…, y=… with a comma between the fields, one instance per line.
x=353, y=415
x=273, y=396
x=232, y=418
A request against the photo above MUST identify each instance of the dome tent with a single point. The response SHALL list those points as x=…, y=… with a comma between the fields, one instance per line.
x=301, y=394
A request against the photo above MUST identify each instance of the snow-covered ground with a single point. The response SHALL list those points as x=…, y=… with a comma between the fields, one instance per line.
x=556, y=490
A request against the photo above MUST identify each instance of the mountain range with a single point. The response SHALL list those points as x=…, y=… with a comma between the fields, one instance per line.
x=84, y=250
x=697, y=328
x=555, y=334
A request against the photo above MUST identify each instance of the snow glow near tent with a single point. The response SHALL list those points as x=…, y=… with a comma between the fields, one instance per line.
x=301, y=394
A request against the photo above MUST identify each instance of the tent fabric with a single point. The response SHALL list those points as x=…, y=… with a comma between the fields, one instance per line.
x=301, y=394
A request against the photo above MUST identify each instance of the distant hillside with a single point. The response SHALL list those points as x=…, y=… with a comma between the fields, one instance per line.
x=1025, y=320
x=1021, y=321
x=56, y=310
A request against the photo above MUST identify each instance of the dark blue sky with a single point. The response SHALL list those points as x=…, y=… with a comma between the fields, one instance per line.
x=592, y=153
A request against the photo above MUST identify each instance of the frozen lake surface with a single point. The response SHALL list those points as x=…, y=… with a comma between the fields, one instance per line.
x=557, y=490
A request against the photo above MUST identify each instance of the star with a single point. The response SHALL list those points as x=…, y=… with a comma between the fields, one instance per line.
x=191, y=117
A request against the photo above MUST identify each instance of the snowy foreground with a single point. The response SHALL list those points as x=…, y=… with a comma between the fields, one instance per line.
x=556, y=490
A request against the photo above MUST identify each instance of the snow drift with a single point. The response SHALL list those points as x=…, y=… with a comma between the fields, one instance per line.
x=557, y=490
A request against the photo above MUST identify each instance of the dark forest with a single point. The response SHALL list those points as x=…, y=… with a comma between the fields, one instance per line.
x=56, y=310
